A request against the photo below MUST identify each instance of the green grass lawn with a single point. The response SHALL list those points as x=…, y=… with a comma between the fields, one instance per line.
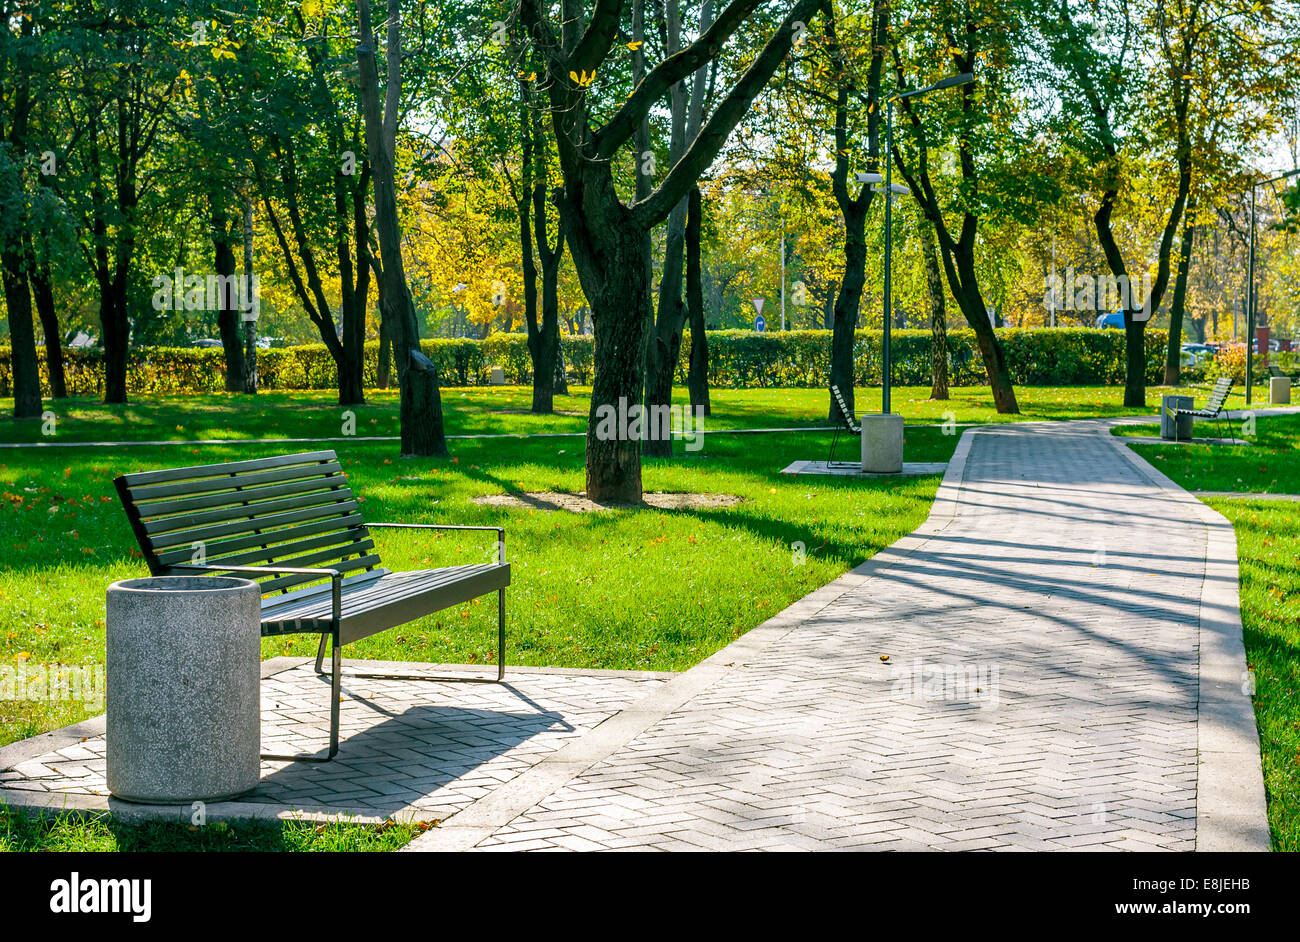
x=100, y=832
x=504, y=409
x=631, y=588
x=1268, y=548
x=1269, y=465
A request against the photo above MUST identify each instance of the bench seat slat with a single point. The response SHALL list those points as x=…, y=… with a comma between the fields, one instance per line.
x=278, y=602
x=393, y=599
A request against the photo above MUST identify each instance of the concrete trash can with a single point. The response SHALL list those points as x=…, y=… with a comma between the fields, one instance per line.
x=1172, y=429
x=1279, y=390
x=882, y=444
x=184, y=676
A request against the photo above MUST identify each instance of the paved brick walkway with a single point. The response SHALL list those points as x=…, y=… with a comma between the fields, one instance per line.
x=1040, y=689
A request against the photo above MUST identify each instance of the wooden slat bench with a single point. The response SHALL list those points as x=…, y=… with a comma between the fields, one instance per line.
x=848, y=423
x=1214, y=406
x=292, y=523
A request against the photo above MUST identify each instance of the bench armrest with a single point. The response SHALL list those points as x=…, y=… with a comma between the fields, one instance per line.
x=500, y=532
x=335, y=577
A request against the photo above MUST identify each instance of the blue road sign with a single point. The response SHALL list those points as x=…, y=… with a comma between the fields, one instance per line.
x=760, y=324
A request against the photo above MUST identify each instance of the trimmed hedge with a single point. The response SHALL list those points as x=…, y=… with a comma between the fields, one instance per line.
x=737, y=359
x=1036, y=357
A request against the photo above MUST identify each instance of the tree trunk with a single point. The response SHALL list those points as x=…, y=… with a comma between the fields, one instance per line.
x=853, y=209
x=1174, y=352
x=421, y=403
x=938, y=317
x=847, y=303
x=561, y=385
x=250, y=325
x=549, y=361
x=22, y=335
x=1135, y=363
x=972, y=305
x=43, y=292
x=697, y=378
x=116, y=328
x=383, y=370
x=665, y=345
x=228, y=313
x=664, y=351
x=620, y=313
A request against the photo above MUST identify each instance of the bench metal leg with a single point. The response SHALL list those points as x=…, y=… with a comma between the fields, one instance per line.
x=830, y=458
x=336, y=693
x=336, y=680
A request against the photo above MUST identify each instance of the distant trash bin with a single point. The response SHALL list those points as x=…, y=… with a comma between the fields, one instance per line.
x=1171, y=428
x=1279, y=390
x=184, y=678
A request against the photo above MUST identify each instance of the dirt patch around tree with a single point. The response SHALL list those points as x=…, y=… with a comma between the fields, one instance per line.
x=579, y=503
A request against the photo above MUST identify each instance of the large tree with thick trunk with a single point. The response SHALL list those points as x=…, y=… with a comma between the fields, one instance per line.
x=846, y=98
x=1166, y=113
x=687, y=114
x=417, y=377
x=15, y=119
x=609, y=238
x=536, y=247
x=314, y=180
x=948, y=40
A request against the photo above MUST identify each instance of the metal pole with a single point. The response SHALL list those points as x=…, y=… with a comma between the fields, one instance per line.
x=885, y=365
x=1053, y=286
x=1250, y=301
x=783, y=275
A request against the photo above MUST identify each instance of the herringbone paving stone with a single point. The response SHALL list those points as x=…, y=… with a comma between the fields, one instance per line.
x=1040, y=690
x=415, y=748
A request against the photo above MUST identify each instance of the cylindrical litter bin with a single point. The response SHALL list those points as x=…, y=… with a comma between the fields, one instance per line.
x=183, y=678
x=1279, y=390
x=1171, y=428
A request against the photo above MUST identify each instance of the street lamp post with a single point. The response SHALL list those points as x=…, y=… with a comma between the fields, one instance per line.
x=1250, y=282
x=882, y=435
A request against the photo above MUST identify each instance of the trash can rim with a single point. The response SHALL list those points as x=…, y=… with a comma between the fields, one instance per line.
x=149, y=584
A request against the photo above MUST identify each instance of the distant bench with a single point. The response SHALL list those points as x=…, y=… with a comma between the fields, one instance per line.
x=1214, y=406
x=292, y=521
x=847, y=425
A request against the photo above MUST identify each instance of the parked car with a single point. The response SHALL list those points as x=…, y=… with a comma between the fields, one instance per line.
x=1113, y=319
x=206, y=342
x=1194, y=353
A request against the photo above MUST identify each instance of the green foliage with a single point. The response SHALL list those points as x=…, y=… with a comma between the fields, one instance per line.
x=738, y=359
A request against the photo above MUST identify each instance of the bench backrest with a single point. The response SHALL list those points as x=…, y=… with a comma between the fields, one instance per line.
x=1274, y=371
x=286, y=510
x=845, y=412
x=1219, y=395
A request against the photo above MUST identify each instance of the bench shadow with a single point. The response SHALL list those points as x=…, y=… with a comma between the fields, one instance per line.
x=406, y=757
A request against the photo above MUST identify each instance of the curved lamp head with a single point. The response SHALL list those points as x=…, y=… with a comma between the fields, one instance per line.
x=965, y=78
